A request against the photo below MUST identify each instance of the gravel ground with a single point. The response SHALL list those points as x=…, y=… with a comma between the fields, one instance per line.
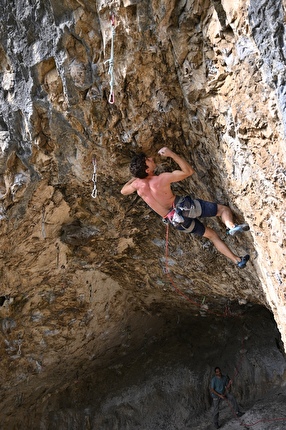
x=268, y=413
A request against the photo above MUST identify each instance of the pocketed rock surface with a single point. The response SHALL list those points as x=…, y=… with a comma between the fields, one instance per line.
x=102, y=325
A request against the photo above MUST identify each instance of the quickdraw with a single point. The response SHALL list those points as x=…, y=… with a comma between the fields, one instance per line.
x=94, y=179
x=110, y=61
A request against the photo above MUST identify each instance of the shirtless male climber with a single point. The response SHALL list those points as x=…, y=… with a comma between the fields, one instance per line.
x=181, y=212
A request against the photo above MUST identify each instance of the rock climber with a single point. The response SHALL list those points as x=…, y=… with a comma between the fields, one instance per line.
x=181, y=212
x=220, y=387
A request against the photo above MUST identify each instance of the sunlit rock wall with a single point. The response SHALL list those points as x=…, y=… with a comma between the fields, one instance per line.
x=203, y=77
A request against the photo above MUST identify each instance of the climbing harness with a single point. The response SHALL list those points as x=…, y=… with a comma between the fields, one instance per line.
x=183, y=206
x=110, y=61
x=94, y=179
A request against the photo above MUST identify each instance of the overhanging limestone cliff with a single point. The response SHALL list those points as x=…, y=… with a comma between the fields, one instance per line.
x=206, y=79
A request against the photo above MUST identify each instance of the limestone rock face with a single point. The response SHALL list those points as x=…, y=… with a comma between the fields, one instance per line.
x=86, y=285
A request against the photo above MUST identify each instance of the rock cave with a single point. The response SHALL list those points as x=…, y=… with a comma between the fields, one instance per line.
x=110, y=321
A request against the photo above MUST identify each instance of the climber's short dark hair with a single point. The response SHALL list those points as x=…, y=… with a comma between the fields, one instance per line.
x=138, y=166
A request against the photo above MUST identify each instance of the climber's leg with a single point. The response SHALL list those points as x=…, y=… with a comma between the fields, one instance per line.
x=224, y=249
x=220, y=245
x=227, y=218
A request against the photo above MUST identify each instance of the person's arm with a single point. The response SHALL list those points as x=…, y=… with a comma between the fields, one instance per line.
x=216, y=393
x=128, y=188
x=186, y=168
x=213, y=389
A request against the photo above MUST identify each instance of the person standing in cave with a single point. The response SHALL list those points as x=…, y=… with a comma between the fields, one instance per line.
x=220, y=387
x=181, y=212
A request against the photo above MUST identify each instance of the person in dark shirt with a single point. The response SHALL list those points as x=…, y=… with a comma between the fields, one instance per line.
x=220, y=386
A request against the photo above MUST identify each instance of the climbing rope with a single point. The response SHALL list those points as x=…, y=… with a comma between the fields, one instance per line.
x=94, y=179
x=110, y=61
x=167, y=272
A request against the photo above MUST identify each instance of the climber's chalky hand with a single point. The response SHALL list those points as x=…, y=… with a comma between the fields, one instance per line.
x=165, y=152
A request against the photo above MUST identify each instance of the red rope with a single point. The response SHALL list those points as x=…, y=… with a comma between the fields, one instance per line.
x=262, y=421
x=193, y=302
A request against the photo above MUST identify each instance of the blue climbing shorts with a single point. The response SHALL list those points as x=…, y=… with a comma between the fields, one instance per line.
x=184, y=216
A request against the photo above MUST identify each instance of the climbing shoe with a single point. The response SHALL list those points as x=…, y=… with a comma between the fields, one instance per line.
x=243, y=260
x=238, y=229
